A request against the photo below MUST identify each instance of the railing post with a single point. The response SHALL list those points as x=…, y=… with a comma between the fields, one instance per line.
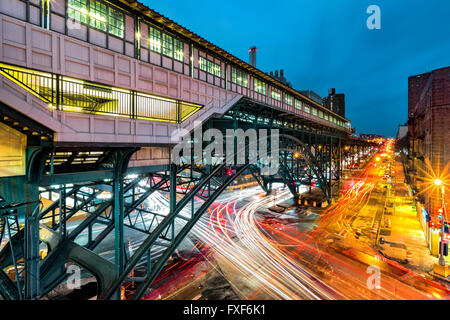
x=133, y=104
x=58, y=92
x=178, y=111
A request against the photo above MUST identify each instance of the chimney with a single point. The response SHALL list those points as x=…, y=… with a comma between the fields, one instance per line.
x=276, y=73
x=281, y=73
x=253, y=56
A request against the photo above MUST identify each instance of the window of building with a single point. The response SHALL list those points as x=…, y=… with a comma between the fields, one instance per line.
x=298, y=104
x=320, y=114
x=116, y=23
x=288, y=99
x=239, y=77
x=209, y=66
x=307, y=109
x=97, y=15
x=202, y=64
x=155, y=40
x=259, y=86
x=275, y=95
x=326, y=116
x=167, y=45
x=314, y=111
x=178, y=52
x=77, y=10
x=214, y=68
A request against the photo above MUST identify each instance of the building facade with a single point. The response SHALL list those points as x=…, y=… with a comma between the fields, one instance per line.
x=124, y=30
x=429, y=135
x=335, y=102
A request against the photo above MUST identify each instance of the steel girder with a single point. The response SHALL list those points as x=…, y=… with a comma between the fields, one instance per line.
x=202, y=186
x=319, y=147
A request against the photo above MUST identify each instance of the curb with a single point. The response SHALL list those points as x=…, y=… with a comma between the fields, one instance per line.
x=402, y=261
x=439, y=277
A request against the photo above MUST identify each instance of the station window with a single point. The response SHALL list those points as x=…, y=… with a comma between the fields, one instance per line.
x=209, y=66
x=239, y=77
x=259, y=86
x=298, y=104
x=178, y=50
x=77, y=10
x=275, y=95
x=167, y=45
x=214, y=68
x=307, y=109
x=320, y=114
x=97, y=15
x=202, y=64
x=288, y=99
x=155, y=40
x=326, y=116
x=116, y=23
x=314, y=111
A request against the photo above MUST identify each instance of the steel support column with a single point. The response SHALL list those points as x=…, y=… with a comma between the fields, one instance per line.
x=32, y=256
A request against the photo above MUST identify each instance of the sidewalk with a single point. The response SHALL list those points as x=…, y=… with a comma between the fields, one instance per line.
x=405, y=237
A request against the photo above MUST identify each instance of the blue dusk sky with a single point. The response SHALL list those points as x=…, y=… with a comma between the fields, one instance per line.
x=326, y=43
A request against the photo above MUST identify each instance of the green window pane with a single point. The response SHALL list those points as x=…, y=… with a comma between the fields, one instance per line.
x=307, y=109
x=259, y=86
x=116, y=23
x=77, y=10
x=155, y=40
x=209, y=66
x=239, y=77
x=275, y=95
x=202, y=64
x=97, y=15
x=298, y=104
x=178, y=50
x=217, y=69
x=167, y=48
x=288, y=99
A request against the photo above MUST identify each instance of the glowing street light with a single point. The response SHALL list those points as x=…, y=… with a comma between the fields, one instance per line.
x=439, y=183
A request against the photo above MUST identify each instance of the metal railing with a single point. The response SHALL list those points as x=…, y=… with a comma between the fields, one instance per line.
x=68, y=94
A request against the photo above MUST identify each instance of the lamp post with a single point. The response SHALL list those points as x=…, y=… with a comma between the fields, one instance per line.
x=439, y=183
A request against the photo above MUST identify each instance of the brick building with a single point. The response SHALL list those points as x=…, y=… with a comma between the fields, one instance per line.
x=429, y=134
x=335, y=102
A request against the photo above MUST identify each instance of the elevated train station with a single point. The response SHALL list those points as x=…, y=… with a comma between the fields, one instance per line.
x=92, y=95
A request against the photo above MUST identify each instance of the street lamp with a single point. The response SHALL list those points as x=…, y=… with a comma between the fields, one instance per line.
x=439, y=183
